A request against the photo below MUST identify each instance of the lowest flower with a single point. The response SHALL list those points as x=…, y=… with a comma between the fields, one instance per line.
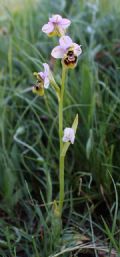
x=69, y=135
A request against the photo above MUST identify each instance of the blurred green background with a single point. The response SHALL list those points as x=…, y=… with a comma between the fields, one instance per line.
x=29, y=145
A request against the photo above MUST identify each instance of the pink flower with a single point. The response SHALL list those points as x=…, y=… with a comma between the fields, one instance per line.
x=43, y=80
x=69, y=135
x=68, y=51
x=56, y=26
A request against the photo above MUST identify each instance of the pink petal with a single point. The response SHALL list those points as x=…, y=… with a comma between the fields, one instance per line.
x=65, y=23
x=65, y=139
x=41, y=75
x=46, y=68
x=65, y=42
x=72, y=138
x=58, y=52
x=48, y=28
x=77, y=49
x=55, y=18
x=46, y=82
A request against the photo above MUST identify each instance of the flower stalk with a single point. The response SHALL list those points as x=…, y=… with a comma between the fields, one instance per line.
x=68, y=52
x=61, y=158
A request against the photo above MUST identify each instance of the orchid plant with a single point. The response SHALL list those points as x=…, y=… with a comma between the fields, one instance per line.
x=68, y=52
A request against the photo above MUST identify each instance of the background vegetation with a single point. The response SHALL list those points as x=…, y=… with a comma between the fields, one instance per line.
x=29, y=147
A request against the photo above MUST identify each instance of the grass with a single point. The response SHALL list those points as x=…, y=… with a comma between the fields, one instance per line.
x=29, y=146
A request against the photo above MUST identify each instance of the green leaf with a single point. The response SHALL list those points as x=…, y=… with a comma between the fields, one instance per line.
x=89, y=144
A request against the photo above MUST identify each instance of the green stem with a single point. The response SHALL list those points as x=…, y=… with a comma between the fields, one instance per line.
x=61, y=160
x=61, y=197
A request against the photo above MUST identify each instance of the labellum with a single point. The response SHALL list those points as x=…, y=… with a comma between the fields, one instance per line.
x=38, y=89
x=70, y=59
